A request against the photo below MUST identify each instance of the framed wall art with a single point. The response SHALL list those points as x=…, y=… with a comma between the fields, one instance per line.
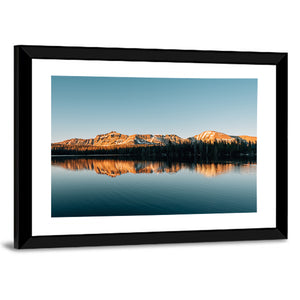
x=142, y=146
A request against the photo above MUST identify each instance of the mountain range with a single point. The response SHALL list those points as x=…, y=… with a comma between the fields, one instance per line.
x=114, y=138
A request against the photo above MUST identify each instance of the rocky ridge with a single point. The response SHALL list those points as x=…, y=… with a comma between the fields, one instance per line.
x=114, y=138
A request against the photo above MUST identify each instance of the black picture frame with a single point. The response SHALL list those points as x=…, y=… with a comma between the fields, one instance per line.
x=23, y=56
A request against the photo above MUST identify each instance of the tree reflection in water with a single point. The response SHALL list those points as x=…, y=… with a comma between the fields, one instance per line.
x=115, y=167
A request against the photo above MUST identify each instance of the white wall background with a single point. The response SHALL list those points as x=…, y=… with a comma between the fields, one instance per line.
x=240, y=270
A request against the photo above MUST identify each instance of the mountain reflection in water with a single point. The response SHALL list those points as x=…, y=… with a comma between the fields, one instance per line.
x=115, y=167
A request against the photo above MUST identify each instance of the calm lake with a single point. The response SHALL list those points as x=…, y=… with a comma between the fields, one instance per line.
x=101, y=186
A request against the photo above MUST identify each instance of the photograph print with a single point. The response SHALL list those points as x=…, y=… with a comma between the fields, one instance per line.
x=134, y=146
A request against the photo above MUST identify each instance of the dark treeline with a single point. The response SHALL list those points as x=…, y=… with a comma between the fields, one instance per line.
x=194, y=151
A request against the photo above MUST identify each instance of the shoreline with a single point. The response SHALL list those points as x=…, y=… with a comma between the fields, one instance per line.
x=84, y=155
x=127, y=157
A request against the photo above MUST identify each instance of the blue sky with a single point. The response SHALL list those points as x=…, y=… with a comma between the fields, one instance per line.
x=83, y=107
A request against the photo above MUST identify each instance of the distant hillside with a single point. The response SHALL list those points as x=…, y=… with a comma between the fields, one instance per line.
x=114, y=138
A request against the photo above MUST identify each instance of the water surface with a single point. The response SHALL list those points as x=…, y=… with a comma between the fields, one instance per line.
x=101, y=186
